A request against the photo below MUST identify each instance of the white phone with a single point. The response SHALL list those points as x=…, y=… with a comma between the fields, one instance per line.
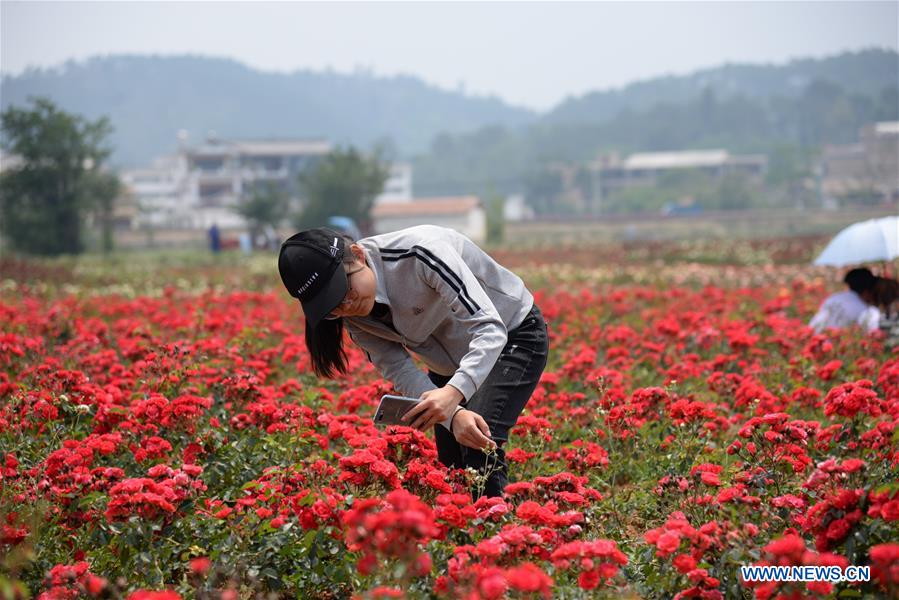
x=392, y=408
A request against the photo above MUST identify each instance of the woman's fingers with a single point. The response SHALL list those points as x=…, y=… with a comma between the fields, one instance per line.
x=473, y=438
x=423, y=415
x=481, y=441
x=415, y=411
x=471, y=430
x=425, y=419
x=482, y=424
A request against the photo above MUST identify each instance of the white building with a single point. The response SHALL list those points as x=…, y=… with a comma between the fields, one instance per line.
x=465, y=214
x=516, y=209
x=869, y=166
x=9, y=161
x=222, y=173
x=644, y=168
x=159, y=191
x=204, y=185
x=398, y=187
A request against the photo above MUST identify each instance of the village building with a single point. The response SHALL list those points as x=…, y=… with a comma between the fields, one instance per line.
x=204, y=185
x=869, y=167
x=465, y=214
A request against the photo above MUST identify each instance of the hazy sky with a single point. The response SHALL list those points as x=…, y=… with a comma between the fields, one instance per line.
x=530, y=54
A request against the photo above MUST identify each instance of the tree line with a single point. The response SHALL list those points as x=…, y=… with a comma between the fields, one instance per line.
x=789, y=130
x=56, y=182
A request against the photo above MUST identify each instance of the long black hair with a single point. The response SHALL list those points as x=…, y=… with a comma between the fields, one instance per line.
x=325, y=341
x=860, y=280
x=325, y=345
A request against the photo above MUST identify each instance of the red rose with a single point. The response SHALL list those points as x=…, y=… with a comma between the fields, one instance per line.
x=668, y=542
x=588, y=580
x=684, y=563
x=200, y=565
x=838, y=530
x=890, y=510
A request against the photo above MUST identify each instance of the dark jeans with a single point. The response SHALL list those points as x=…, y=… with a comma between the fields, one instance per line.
x=500, y=400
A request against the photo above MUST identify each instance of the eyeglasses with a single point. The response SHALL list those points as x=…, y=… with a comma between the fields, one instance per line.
x=332, y=316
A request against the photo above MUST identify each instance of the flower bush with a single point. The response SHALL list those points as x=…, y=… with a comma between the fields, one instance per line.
x=161, y=437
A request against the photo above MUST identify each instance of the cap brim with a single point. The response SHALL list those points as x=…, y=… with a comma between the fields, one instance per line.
x=327, y=299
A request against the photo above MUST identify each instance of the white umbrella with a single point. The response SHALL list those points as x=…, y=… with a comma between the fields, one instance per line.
x=866, y=241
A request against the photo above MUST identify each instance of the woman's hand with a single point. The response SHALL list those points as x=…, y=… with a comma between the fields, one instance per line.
x=435, y=406
x=471, y=430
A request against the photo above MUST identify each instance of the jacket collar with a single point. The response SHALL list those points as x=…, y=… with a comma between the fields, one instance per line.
x=372, y=259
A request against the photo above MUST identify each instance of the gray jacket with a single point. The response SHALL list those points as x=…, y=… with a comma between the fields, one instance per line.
x=451, y=304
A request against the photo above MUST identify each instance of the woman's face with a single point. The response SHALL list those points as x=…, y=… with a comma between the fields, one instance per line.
x=360, y=296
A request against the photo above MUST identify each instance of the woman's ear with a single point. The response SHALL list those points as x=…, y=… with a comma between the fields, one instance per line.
x=358, y=253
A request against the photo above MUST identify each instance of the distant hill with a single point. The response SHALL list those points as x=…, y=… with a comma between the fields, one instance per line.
x=777, y=110
x=149, y=98
x=865, y=73
x=465, y=144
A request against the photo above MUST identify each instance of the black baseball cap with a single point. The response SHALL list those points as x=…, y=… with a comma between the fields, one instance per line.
x=310, y=267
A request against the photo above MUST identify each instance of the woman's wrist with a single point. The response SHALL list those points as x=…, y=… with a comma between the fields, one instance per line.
x=455, y=412
x=460, y=397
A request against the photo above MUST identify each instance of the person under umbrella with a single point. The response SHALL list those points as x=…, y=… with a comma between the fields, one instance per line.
x=852, y=307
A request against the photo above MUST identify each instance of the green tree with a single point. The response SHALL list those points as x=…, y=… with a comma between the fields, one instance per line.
x=267, y=205
x=788, y=163
x=496, y=219
x=826, y=115
x=639, y=199
x=45, y=198
x=543, y=185
x=101, y=189
x=345, y=183
x=735, y=191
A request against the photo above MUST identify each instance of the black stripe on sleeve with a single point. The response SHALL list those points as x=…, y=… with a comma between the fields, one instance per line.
x=449, y=272
x=448, y=276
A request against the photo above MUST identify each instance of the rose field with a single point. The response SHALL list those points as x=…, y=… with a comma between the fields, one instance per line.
x=162, y=436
